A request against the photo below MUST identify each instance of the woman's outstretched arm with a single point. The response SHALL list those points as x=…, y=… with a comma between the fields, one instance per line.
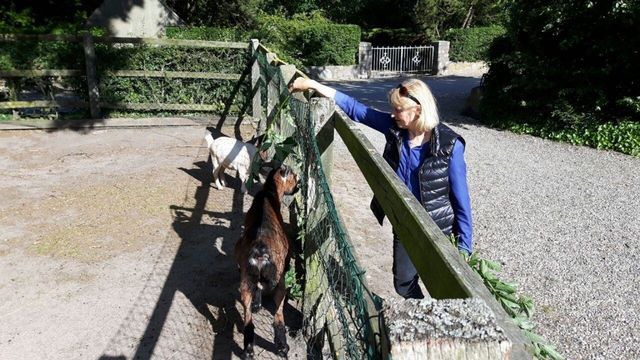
x=357, y=111
x=303, y=84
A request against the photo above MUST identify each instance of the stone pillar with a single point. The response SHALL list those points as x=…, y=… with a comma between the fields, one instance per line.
x=441, y=56
x=364, y=60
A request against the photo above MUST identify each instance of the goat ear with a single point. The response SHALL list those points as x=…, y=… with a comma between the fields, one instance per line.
x=285, y=170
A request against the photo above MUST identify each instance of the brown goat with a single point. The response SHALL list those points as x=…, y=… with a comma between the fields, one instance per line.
x=263, y=253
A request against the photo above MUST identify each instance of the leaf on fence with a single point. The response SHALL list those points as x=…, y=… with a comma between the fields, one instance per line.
x=550, y=352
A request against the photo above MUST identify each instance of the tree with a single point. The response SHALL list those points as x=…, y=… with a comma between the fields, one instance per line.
x=436, y=16
x=217, y=13
x=44, y=16
x=567, y=63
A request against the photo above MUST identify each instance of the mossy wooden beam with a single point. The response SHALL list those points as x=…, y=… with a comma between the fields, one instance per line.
x=156, y=106
x=39, y=73
x=127, y=40
x=40, y=104
x=38, y=37
x=172, y=42
x=92, y=79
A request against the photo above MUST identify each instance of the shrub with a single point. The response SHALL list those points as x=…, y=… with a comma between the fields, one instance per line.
x=166, y=90
x=302, y=40
x=472, y=44
x=208, y=33
x=394, y=37
x=329, y=44
x=543, y=77
x=309, y=39
x=25, y=55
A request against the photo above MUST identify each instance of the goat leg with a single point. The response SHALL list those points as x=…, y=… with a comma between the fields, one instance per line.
x=243, y=174
x=280, y=333
x=249, y=328
x=256, y=303
x=216, y=172
x=249, y=338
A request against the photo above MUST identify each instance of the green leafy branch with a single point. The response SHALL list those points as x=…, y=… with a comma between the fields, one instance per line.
x=520, y=308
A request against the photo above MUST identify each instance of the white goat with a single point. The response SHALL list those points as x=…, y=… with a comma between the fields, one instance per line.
x=229, y=153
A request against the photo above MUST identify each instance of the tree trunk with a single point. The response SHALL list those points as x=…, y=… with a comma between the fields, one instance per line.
x=467, y=20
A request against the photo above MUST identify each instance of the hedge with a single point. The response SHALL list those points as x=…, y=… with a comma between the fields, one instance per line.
x=208, y=33
x=69, y=55
x=166, y=90
x=394, y=37
x=301, y=40
x=472, y=44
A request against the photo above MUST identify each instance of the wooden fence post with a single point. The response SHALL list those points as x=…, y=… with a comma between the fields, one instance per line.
x=322, y=110
x=92, y=85
x=272, y=95
x=444, y=329
x=256, y=106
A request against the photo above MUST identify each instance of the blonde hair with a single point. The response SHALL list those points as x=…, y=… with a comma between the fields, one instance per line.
x=429, y=117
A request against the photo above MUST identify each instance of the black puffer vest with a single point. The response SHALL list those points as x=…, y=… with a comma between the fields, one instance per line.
x=434, y=173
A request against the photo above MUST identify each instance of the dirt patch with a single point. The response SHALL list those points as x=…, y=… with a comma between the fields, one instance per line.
x=113, y=244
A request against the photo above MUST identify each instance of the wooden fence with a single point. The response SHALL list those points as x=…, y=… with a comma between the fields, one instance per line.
x=95, y=104
x=445, y=273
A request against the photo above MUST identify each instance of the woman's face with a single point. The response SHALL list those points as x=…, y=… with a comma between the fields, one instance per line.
x=405, y=116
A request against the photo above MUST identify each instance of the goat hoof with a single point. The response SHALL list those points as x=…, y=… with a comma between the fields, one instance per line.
x=248, y=353
x=283, y=351
x=255, y=307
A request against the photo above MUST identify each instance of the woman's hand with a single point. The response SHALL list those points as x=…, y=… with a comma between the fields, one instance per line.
x=303, y=84
x=300, y=84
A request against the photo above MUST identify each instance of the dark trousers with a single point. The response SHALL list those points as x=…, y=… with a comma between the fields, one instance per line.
x=405, y=276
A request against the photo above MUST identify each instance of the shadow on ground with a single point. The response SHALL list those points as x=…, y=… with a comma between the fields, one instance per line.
x=193, y=289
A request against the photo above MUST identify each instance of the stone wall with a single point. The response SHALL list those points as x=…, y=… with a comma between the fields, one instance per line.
x=126, y=18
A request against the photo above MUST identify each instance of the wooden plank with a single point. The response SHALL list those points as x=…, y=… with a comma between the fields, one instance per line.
x=324, y=128
x=273, y=98
x=156, y=106
x=39, y=73
x=41, y=104
x=38, y=37
x=106, y=105
x=172, y=42
x=126, y=40
x=256, y=103
x=173, y=74
x=92, y=83
x=124, y=73
x=438, y=263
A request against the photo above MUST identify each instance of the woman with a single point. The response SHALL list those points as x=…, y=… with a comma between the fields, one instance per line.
x=426, y=155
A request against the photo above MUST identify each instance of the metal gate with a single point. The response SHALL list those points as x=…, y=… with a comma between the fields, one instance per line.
x=403, y=59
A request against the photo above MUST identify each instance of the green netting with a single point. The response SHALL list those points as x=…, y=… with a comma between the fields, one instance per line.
x=336, y=316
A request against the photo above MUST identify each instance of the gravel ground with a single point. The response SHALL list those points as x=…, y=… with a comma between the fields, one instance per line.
x=561, y=219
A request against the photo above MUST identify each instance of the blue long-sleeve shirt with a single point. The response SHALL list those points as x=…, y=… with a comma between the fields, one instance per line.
x=409, y=166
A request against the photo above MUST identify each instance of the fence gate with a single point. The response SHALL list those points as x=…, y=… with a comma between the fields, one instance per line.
x=403, y=59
